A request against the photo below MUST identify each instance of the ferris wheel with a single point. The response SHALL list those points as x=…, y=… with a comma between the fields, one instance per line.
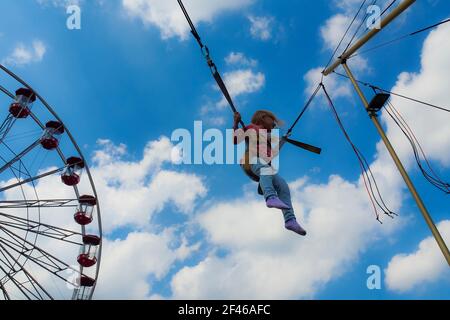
x=50, y=224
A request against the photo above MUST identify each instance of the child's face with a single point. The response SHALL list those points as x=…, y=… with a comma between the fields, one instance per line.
x=268, y=122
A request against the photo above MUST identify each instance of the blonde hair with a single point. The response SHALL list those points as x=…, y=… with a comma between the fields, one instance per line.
x=260, y=114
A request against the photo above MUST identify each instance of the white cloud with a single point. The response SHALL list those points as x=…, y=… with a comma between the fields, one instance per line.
x=331, y=34
x=145, y=187
x=238, y=58
x=168, y=17
x=334, y=29
x=131, y=192
x=127, y=264
x=261, y=27
x=406, y=272
x=334, y=85
x=265, y=261
x=241, y=79
x=430, y=84
x=23, y=55
x=241, y=82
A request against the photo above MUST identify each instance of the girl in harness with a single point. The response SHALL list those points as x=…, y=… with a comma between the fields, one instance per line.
x=257, y=164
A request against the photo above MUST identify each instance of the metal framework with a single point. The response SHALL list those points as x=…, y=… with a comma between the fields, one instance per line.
x=50, y=248
x=342, y=60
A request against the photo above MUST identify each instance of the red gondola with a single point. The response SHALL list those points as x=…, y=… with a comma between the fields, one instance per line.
x=89, y=257
x=21, y=107
x=72, y=172
x=50, y=137
x=84, y=214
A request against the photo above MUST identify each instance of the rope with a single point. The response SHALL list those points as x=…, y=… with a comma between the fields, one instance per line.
x=366, y=172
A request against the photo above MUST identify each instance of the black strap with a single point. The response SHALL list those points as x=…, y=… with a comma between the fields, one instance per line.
x=223, y=88
x=303, y=145
x=304, y=110
x=191, y=24
x=210, y=62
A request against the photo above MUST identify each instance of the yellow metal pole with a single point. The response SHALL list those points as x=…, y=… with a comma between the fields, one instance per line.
x=369, y=35
x=402, y=170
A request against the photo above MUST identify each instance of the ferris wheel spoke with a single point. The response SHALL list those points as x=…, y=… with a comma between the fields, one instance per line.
x=49, y=203
x=13, y=272
x=6, y=126
x=43, y=258
x=5, y=91
x=49, y=231
x=11, y=279
x=19, y=156
x=32, y=280
x=7, y=261
x=18, y=172
x=36, y=289
x=5, y=293
x=11, y=242
x=31, y=179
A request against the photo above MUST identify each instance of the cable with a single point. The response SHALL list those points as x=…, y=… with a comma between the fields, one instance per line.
x=366, y=84
x=365, y=168
x=345, y=34
x=396, y=116
x=434, y=180
x=304, y=110
x=431, y=176
x=382, y=13
x=359, y=27
x=388, y=7
x=399, y=38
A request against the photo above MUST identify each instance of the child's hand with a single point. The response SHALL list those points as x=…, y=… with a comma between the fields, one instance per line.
x=237, y=118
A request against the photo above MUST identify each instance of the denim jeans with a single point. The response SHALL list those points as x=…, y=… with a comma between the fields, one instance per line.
x=274, y=185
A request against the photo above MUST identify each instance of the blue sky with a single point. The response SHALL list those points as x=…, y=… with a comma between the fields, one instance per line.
x=132, y=75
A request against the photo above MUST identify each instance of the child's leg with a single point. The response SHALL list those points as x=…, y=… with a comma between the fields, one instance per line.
x=282, y=188
x=285, y=195
x=266, y=181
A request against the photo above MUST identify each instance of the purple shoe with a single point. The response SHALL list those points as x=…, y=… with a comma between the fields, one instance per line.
x=294, y=226
x=275, y=202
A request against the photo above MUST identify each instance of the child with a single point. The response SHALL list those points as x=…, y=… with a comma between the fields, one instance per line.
x=257, y=164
